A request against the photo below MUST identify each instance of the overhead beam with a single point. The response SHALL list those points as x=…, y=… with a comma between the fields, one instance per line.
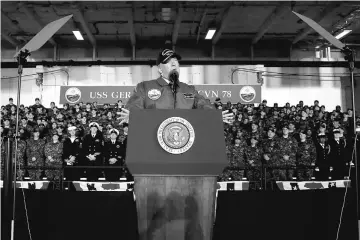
x=176, y=28
x=10, y=39
x=277, y=13
x=201, y=24
x=327, y=10
x=224, y=21
x=80, y=17
x=9, y=21
x=30, y=14
x=131, y=26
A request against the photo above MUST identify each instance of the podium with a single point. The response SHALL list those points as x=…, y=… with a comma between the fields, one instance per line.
x=175, y=157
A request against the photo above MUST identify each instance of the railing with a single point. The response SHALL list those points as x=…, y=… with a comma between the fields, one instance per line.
x=260, y=182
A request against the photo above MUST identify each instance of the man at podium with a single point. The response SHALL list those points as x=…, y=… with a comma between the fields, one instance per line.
x=167, y=92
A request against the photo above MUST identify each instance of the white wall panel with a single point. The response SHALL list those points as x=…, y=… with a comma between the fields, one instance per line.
x=323, y=86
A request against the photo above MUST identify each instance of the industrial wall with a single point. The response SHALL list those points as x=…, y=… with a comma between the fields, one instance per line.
x=330, y=86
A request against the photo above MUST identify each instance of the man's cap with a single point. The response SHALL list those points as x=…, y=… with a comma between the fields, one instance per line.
x=114, y=131
x=336, y=130
x=71, y=128
x=37, y=99
x=321, y=135
x=11, y=99
x=94, y=124
x=165, y=55
x=272, y=129
x=55, y=133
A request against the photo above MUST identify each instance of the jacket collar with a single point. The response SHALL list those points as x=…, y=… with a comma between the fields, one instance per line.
x=161, y=82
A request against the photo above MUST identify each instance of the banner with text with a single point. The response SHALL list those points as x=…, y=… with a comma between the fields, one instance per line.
x=234, y=93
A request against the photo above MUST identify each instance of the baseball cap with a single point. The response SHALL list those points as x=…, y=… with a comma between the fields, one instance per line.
x=165, y=55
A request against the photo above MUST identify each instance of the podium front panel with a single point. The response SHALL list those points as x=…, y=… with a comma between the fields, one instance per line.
x=145, y=156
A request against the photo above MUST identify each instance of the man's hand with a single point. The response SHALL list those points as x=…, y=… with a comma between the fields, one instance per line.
x=112, y=160
x=228, y=117
x=124, y=116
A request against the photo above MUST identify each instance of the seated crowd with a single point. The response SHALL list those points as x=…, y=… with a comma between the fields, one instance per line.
x=276, y=143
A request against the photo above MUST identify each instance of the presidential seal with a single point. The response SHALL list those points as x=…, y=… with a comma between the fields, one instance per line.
x=176, y=135
x=247, y=94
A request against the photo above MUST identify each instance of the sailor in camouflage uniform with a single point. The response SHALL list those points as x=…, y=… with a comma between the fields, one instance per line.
x=305, y=158
x=35, y=154
x=269, y=150
x=286, y=155
x=253, y=159
x=53, y=158
x=20, y=163
x=236, y=160
x=3, y=151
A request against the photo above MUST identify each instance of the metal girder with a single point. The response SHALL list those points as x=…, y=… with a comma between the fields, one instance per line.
x=200, y=25
x=351, y=22
x=10, y=39
x=10, y=21
x=131, y=26
x=30, y=14
x=80, y=17
x=223, y=24
x=177, y=25
x=277, y=13
x=329, y=9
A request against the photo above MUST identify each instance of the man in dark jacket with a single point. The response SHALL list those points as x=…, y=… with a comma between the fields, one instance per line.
x=114, y=154
x=167, y=92
x=93, y=151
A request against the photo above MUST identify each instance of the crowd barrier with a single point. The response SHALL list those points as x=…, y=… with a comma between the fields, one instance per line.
x=222, y=186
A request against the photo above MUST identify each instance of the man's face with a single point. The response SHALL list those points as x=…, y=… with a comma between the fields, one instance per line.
x=72, y=132
x=113, y=136
x=271, y=134
x=7, y=122
x=254, y=127
x=55, y=138
x=37, y=101
x=93, y=130
x=337, y=135
x=125, y=129
x=166, y=68
x=237, y=142
x=302, y=136
x=11, y=102
x=285, y=131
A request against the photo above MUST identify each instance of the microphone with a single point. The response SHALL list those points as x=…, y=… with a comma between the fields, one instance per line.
x=174, y=78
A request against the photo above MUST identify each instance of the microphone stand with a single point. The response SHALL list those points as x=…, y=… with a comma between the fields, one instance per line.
x=350, y=57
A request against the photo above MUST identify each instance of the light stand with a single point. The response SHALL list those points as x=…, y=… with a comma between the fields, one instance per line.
x=350, y=57
x=33, y=45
